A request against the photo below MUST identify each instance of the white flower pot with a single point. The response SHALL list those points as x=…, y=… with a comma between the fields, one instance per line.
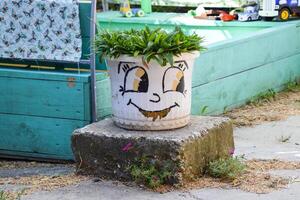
x=151, y=97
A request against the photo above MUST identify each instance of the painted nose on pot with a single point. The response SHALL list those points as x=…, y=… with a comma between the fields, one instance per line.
x=155, y=98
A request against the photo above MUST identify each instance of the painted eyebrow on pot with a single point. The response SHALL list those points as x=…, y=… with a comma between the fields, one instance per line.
x=182, y=64
x=124, y=66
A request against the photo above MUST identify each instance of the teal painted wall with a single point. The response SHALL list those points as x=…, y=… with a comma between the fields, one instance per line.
x=43, y=137
x=40, y=110
x=232, y=72
x=43, y=98
x=249, y=58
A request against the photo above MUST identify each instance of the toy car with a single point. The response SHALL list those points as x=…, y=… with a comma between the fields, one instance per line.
x=224, y=16
x=126, y=11
x=134, y=12
x=250, y=14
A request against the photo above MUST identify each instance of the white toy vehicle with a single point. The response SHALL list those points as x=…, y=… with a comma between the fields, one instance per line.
x=250, y=14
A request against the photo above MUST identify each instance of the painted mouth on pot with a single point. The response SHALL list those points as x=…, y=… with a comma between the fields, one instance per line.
x=157, y=114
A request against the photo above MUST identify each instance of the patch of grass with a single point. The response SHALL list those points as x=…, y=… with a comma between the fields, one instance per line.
x=227, y=168
x=151, y=173
x=284, y=139
x=292, y=86
x=3, y=195
x=225, y=109
x=262, y=97
x=203, y=110
x=10, y=195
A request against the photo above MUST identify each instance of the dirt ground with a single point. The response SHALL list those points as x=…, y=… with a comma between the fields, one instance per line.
x=34, y=182
x=255, y=179
x=11, y=164
x=279, y=107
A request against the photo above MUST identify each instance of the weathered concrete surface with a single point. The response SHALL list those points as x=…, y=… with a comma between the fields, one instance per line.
x=37, y=171
x=108, y=190
x=265, y=141
x=104, y=150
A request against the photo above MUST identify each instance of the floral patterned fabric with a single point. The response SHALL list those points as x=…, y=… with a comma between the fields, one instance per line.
x=40, y=29
x=189, y=3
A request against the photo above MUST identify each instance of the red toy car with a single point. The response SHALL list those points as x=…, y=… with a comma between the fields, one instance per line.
x=224, y=16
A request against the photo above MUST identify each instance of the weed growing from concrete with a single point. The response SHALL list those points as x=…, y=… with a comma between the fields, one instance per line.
x=227, y=168
x=151, y=173
x=284, y=139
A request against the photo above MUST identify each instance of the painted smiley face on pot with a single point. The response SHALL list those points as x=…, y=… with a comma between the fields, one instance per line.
x=151, y=90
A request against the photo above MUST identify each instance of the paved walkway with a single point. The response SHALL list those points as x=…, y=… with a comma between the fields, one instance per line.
x=263, y=142
x=109, y=191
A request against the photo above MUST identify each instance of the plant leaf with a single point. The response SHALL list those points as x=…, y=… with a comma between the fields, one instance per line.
x=155, y=44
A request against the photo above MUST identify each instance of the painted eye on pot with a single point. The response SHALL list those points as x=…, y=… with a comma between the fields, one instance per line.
x=136, y=80
x=173, y=80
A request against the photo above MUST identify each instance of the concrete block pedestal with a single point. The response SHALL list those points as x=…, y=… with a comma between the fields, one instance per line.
x=104, y=150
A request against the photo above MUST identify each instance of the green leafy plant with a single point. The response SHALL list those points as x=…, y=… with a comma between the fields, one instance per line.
x=227, y=168
x=292, y=86
x=203, y=110
x=151, y=173
x=155, y=44
x=267, y=96
x=225, y=109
